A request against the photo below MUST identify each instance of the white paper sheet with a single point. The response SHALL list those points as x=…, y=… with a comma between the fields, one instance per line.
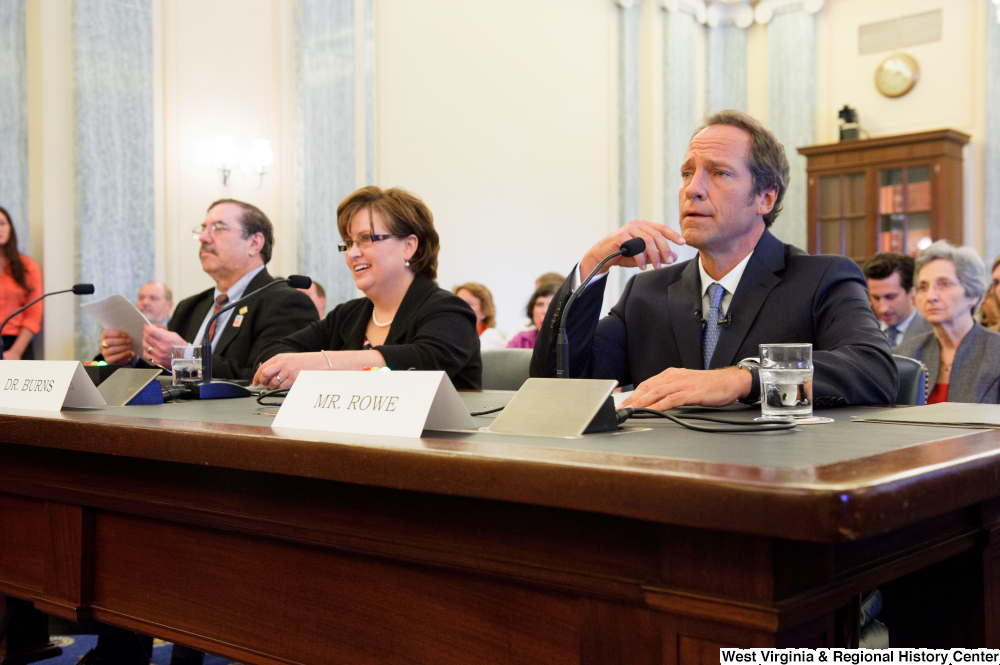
x=118, y=313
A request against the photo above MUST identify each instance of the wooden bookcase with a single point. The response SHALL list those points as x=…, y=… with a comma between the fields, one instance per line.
x=891, y=193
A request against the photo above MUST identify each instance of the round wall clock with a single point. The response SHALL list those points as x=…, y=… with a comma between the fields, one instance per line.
x=897, y=75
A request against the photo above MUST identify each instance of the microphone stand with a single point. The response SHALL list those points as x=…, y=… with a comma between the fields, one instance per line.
x=562, y=342
x=222, y=389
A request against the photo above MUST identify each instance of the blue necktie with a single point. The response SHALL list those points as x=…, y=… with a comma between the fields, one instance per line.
x=891, y=333
x=711, y=334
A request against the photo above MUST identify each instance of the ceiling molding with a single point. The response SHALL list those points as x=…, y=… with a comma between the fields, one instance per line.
x=696, y=7
x=766, y=9
x=627, y=4
x=739, y=14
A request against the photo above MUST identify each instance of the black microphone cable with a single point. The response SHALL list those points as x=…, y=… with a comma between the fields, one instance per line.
x=731, y=426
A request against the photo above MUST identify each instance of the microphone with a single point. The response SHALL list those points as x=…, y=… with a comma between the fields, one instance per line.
x=724, y=321
x=209, y=389
x=628, y=249
x=78, y=289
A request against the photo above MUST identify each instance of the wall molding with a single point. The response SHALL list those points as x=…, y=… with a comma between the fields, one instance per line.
x=997, y=3
x=697, y=7
x=627, y=4
x=739, y=14
x=766, y=9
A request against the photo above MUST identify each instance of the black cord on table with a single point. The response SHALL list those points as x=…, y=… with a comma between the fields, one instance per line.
x=731, y=425
x=278, y=392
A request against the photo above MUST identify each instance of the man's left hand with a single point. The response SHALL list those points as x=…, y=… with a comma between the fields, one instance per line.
x=680, y=387
x=157, y=344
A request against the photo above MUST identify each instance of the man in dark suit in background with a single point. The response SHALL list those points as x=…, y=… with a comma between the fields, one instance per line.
x=677, y=332
x=891, y=294
x=236, y=241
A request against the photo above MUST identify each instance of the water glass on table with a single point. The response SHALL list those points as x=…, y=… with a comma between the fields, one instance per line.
x=786, y=381
x=185, y=363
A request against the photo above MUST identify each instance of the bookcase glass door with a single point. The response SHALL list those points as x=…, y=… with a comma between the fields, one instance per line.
x=842, y=216
x=904, y=208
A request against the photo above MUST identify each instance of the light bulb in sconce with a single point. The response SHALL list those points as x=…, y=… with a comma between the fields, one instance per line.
x=260, y=157
x=225, y=156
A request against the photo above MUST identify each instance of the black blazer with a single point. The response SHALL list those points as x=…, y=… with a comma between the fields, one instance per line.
x=975, y=372
x=432, y=330
x=784, y=295
x=269, y=316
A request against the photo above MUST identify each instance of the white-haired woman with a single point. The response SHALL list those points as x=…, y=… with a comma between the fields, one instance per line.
x=962, y=358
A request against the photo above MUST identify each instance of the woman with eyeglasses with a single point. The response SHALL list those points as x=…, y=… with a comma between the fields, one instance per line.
x=20, y=283
x=404, y=321
x=962, y=358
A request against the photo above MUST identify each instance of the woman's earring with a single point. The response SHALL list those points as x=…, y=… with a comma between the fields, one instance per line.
x=407, y=264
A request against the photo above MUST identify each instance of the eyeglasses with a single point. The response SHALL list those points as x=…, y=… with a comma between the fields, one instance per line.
x=940, y=285
x=215, y=229
x=365, y=240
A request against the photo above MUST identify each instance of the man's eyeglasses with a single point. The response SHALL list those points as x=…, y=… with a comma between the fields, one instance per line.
x=940, y=285
x=365, y=240
x=215, y=229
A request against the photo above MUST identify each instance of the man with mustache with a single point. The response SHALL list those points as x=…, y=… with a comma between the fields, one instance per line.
x=236, y=240
x=688, y=333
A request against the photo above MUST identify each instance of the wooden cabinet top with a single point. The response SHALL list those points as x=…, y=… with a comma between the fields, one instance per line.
x=948, y=135
x=935, y=143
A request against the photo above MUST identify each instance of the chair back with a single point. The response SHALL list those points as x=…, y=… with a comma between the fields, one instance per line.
x=505, y=369
x=912, y=381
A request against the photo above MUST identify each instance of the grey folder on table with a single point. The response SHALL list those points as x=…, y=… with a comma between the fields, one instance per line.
x=948, y=414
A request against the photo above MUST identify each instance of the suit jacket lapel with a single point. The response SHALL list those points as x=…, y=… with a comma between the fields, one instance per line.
x=683, y=301
x=198, y=314
x=756, y=283
x=229, y=333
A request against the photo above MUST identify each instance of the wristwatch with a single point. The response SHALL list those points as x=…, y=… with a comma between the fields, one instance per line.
x=751, y=365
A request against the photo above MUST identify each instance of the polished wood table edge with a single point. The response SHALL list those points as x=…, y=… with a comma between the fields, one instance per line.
x=837, y=502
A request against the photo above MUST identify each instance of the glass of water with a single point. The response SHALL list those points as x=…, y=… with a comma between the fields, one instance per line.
x=786, y=381
x=185, y=363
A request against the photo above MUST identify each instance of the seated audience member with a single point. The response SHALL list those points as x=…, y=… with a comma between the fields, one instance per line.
x=537, y=307
x=20, y=283
x=235, y=239
x=989, y=311
x=890, y=292
x=480, y=300
x=404, y=321
x=156, y=302
x=529, y=323
x=689, y=333
x=962, y=358
x=317, y=294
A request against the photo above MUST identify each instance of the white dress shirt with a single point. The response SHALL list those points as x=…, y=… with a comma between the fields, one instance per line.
x=729, y=282
x=234, y=293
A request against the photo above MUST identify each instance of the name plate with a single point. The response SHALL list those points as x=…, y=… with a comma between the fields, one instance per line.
x=389, y=403
x=46, y=385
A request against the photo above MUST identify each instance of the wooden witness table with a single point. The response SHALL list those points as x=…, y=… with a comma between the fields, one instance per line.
x=200, y=524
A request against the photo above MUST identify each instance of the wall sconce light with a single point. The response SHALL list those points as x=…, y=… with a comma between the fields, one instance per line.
x=225, y=156
x=260, y=157
x=255, y=160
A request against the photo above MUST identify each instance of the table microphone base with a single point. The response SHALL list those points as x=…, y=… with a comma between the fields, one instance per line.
x=217, y=390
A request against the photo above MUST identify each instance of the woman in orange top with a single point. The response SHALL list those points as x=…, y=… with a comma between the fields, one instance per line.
x=20, y=283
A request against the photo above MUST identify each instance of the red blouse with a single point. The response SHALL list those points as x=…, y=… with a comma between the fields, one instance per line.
x=12, y=297
x=939, y=394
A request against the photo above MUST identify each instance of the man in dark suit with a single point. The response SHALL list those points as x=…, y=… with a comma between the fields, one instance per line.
x=236, y=241
x=891, y=294
x=678, y=332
